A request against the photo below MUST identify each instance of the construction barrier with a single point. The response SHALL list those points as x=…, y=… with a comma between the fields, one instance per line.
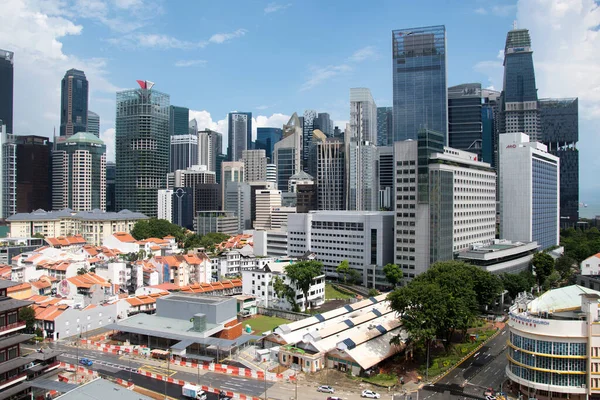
x=231, y=370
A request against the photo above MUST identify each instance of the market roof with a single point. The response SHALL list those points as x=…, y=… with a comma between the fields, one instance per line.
x=103, y=389
x=84, y=137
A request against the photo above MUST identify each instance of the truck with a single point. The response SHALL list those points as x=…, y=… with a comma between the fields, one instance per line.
x=193, y=392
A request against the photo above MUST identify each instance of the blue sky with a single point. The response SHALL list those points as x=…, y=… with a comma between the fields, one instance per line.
x=276, y=58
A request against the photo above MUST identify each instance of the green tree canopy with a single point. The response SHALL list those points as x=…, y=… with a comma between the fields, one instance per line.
x=302, y=274
x=355, y=276
x=157, y=228
x=543, y=265
x=343, y=270
x=564, y=266
x=27, y=314
x=517, y=283
x=393, y=274
x=283, y=290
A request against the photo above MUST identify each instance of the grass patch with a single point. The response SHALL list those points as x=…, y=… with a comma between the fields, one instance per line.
x=263, y=323
x=333, y=293
x=382, y=380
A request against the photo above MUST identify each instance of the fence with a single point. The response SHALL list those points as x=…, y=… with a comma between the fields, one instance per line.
x=291, y=315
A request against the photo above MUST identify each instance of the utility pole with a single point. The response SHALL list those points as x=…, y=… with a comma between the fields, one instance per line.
x=266, y=398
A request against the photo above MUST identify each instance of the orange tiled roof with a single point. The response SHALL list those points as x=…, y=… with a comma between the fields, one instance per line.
x=19, y=287
x=65, y=240
x=154, y=248
x=209, y=287
x=88, y=280
x=169, y=237
x=171, y=261
x=49, y=312
x=41, y=284
x=5, y=271
x=93, y=260
x=166, y=286
x=124, y=237
x=91, y=250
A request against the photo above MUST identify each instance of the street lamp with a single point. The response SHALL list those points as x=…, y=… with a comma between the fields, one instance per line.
x=265, y=377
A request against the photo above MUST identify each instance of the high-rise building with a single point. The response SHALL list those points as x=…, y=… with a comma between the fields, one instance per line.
x=324, y=123
x=385, y=167
x=207, y=197
x=256, y=187
x=271, y=173
x=231, y=172
x=560, y=133
x=210, y=147
x=93, y=123
x=165, y=204
x=445, y=202
x=331, y=167
x=338, y=133
x=142, y=147
x=287, y=153
x=6, y=89
x=73, y=103
x=193, y=126
x=255, y=165
x=529, y=191
x=237, y=200
x=363, y=115
x=192, y=176
x=308, y=126
x=220, y=159
x=306, y=197
x=266, y=139
x=490, y=125
x=184, y=152
x=183, y=207
x=179, y=120
x=385, y=126
x=266, y=200
x=111, y=174
x=317, y=137
x=239, y=134
x=465, y=128
x=79, y=173
x=419, y=79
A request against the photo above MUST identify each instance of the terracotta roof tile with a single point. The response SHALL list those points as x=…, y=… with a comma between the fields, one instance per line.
x=124, y=237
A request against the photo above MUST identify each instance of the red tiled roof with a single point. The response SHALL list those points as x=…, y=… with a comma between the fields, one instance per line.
x=49, y=312
x=88, y=280
x=93, y=260
x=209, y=287
x=166, y=286
x=124, y=237
x=41, y=284
x=19, y=287
x=65, y=240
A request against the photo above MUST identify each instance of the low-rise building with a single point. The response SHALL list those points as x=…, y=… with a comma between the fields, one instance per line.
x=501, y=256
x=231, y=263
x=13, y=246
x=182, y=270
x=216, y=221
x=271, y=243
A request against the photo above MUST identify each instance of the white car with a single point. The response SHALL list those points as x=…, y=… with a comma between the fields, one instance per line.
x=370, y=394
x=325, y=389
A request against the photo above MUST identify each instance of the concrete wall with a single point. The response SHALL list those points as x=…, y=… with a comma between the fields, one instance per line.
x=79, y=321
x=217, y=309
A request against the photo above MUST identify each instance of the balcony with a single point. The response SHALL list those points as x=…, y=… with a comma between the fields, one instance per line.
x=12, y=327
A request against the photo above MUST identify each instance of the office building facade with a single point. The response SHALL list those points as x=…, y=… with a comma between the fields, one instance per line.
x=385, y=168
x=331, y=169
x=324, y=123
x=73, y=103
x=165, y=204
x=465, y=127
x=179, y=120
x=385, y=126
x=272, y=173
x=183, y=207
x=111, y=174
x=266, y=139
x=287, y=153
x=255, y=165
x=419, y=81
x=308, y=121
x=210, y=148
x=6, y=89
x=184, y=152
x=266, y=201
x=142, y=147
x=529, y=191
x=93, y=123
x=237, y=200
x=231, y=172
x=239, y=134
x=207, y=197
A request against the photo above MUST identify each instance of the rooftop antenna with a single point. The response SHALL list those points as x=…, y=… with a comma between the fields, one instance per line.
x=515, y=25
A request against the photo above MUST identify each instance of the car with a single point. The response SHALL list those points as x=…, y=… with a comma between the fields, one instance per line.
x=325, y=389
x=334, y=398
x=86, y=361
x=489, y=392
x=370, y=394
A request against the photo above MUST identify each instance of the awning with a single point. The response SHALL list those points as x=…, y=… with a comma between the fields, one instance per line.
x=160, y=352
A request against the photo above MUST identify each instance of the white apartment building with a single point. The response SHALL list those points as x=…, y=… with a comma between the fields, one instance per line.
x=165, y=204
x=259, y=283
x=279, y=216
x=272, y=173
x=266, y=200
x=273, y=243
x=232, y=263
x=529, y=191
x=361, y=237
x=255, y=165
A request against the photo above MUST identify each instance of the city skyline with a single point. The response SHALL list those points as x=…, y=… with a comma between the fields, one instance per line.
x=113, y=61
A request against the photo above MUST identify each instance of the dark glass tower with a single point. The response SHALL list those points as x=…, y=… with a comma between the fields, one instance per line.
x=385, y=126
x=266, y=139
x=239, y=134
x=6, y=89
x=73, y=103
x=324, y=123
x=420, y=98
x=111, y=172
x=142, y=147
x=560, y=132
x=179, y=120
x=464, y=118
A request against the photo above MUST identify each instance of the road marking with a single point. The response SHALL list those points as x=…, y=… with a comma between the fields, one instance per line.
x=158, y=370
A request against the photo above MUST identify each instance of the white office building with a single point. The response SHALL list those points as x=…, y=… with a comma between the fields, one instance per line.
x=272, y=173
x=273, y=243
x=361, y=237
x=165, y=204
x=529, y=191
x=266, y=200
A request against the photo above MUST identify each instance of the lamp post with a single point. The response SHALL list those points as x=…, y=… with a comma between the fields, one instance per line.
x=265, y=377
x=168, y=371
x=427, y=366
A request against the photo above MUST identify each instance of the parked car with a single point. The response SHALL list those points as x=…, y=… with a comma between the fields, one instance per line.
x=334, y=398
x=370, y=394
x=325, y=389
x=86, y=361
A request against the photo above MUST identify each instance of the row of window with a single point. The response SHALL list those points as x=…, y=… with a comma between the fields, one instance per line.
x=547, y=377
x=547, y=347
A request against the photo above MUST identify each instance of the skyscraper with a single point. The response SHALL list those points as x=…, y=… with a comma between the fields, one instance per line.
x=231, y=172
x=210, y=147
x=560, y=133
x=142, y=147
x=79, y=173
x=73, y=103
x=363, y=115
x=419, y=79
x=331, y=167
x=255, y=165
x=184, y=151
x=266, y=139
x=324, y=123
x=93, y=123
x=385, y=126
x=179, y=120
x=385, y=165
x=287, y=152
x=307, y=125
x=465, y=129
x=6, y=89
x=239, y=133
x=111, y=173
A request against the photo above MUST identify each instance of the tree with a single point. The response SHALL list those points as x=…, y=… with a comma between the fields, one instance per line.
x=38, y=235
x=552, y=280
x=564, y=266
x=82, y=271
x=393, y=274
x=192, y=241
x=158, y=228
x=517, y=283
x=343, y=270
x=355, y=276
x=543, y=265
x=27, y=314
x=373, y=292
x=302, y=275
x=283, y=290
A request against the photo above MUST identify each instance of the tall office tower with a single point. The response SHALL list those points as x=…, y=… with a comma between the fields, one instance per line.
x=331, y=167
x=490, y=115
x=165, y=204
x=73, y=103
x=317, y=137
x=445, y=202
x=79, y=173
x=6, y=89
x=179, y=120
x=231, y=171
x=363, y=115
x=519, y=93
x=560, y=132
x=420, y=98
x=266, y=139
x=385, y=126
x=255, y=165
x=324, y=123
x=287, y=153
x=529, y=191
x=111, y=174
x=256, y=187
x=193, y=126
x=194, y=181
x=300, y=178
x=210, y=146
x=306, y=197
x=183, y=207
x=192, y=176
x=220, y=159
x=93, y=123
x=142, y=147
x=184, y=152
x=271, y=173
x=239, y=133
x=207, y=197
x=266, y=200
x=465, y=128
x=308, y=121
x=8, y=159
x=237, y=200
x=338, y=133
x=385, y=167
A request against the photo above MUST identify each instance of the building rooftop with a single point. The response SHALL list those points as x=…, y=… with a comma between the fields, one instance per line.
x=95, y=215
x=84, y=137
x=101, y=389
x=565, y=299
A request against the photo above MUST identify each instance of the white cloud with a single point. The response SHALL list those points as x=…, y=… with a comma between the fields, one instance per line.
x=504, y=10
x=108, y=136
x=189, y=63
x=163, y=41
x=224, y=37
x=319, y=75
x=363, y=54
x=481, y=11
x=262, y=107
x=274, y=7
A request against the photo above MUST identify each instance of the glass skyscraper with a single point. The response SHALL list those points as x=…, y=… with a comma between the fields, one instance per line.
x=142, y=147
x=420, y=99
x=464, y=118
x=239, y=134
x=179, y=120
x=73, y=103
x=385, y=126
x=266, y=139
x=93, y=123
x=6, y=89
